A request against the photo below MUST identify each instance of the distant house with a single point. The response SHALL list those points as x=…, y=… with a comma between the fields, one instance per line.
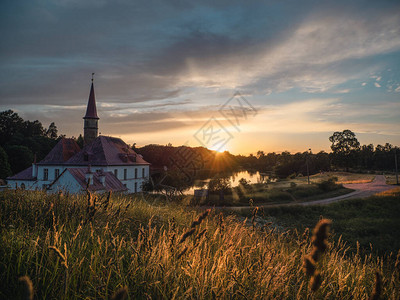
x=104, y=164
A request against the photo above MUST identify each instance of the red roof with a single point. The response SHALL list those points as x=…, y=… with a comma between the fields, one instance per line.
x=105, y=151
x=111, y=182
x=91, y=111
x=63, y=151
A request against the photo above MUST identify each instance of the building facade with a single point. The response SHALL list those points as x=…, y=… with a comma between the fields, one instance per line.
x=103, y=164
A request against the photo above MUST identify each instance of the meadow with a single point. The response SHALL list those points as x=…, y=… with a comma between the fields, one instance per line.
x=370, y=225
x=90, y=247
x=290, y=190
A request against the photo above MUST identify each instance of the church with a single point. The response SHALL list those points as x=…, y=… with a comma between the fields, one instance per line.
x=104, y=164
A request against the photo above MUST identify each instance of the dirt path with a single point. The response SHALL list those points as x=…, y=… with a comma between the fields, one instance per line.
x=361, y=190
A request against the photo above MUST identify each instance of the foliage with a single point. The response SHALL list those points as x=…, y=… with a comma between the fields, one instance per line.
x=5, y=169
x=373, y=220
x=165, y=251
x=21, y=157
x=219, y=184
x=23, y=139
x=329, y=185
x=343, y=146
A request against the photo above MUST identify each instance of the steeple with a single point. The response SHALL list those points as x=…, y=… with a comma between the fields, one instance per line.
x=90, y=127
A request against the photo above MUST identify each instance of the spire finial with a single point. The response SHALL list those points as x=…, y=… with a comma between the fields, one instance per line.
x=92, y=76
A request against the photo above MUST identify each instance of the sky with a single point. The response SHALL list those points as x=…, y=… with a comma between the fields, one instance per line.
x=240, y=76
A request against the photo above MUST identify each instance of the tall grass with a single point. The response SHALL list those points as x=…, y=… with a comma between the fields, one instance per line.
x=145, y=249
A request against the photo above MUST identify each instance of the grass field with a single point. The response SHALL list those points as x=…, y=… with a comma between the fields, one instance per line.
x=374, y=220
x=80, y=247
x=391, y=179
x=288, y=191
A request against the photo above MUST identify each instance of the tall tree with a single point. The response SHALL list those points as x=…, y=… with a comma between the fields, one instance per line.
x=20, y=157
x=10, y=124
x=5, y=169
x=344, y=144
x=52, y=131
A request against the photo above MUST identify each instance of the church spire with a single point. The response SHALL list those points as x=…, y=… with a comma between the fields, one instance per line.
x=90, y=128
x=91, y=111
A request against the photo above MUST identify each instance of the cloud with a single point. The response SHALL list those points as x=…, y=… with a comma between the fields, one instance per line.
x=377, y=84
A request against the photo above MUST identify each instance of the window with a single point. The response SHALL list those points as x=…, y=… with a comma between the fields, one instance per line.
x=135, y=187
x=56, y=173
x=116, y=172
x=46, y=174
x=143, y=172
x=135, y=173
x=125, y=174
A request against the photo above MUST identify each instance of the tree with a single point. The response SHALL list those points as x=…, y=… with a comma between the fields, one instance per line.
x=344, y=145
x=34, y=128
x=20, y=157
x=80, y=141
x=10, y=124
x=219, y=184
x=5, y=169
x=52, y=132
x=260, y=154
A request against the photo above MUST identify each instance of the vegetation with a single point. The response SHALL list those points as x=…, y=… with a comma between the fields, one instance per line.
x=372, y=221
x=22, y=141
x=287, y=191
x=87, y=246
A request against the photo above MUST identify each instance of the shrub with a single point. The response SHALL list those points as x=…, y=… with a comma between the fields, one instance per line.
x=329, y=184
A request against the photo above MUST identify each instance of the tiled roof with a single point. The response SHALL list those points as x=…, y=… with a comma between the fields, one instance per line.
x=63, y=151
x=111, y=182
x=23, y=175
x=104, y=151
x=91, y=111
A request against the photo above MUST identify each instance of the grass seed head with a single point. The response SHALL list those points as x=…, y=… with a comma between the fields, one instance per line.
x=120, y=294
x=27, y=288
x=309, y=266
x=315, y=281
x=186, y=235
x=376, y=292
x=200, y=218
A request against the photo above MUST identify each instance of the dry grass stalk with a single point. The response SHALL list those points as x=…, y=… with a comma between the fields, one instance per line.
x=182, y=252
x=253, y=219
x=186, y=235
x=376, y=292
x=200, y=218
x=315, y=281
x=221, y=222
x=60, y=255
x=309, y=266
x=27, y=288
x=321, y=232
x=120, y=294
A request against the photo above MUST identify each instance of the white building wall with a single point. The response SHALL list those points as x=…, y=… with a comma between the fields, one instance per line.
x=27, y=184
x=130, y=178
x=66, y=183
x=51, y=176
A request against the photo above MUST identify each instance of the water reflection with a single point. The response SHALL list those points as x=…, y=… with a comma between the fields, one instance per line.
x=251, y=177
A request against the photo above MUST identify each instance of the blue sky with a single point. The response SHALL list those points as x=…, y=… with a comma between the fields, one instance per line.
x=164, y=68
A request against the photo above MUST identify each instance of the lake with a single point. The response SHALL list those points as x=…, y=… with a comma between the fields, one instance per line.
x=251, y=177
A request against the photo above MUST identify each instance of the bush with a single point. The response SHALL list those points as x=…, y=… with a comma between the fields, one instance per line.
x=329, y=185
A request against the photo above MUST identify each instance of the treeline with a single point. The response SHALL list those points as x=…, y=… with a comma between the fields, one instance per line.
x=21, y=141
x=347, y=154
